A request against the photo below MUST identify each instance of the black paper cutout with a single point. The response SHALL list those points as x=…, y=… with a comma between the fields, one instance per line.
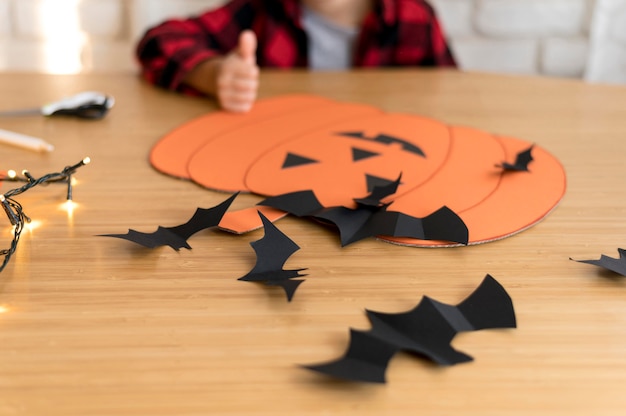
x=176, y=237
x=385, y=139
x=360, y=154
x=371, y=217
x=373, y=181
x=379, y=192
x=617, y=265
x=427, y=330
x=296, y=160
x=521, y=161
x=272, y=251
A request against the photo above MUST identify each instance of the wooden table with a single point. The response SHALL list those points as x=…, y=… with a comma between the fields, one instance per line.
x=95, y=326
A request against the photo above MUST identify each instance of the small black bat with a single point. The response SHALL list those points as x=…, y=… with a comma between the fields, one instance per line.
x=521, y=161
x=371, y=217
x=272, y=251
x=426, y=330
x=615, y=265
x=176, y=237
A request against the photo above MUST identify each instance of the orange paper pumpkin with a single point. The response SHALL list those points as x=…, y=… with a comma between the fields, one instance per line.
x=341, y=150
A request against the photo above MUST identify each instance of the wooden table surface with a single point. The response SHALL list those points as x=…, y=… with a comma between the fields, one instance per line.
x=94, y=326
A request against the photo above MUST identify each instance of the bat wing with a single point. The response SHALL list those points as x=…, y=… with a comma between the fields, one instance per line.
x=349, y=222
x=202, y=219
x=443, y=224
x=615, y=265
x=427, y=329
x=300, y=204
x=489, y=306
x=379, y=193
x=161, y=237
x=366, y=359
x=272, y=251
x=521, y=161
x=288, y=285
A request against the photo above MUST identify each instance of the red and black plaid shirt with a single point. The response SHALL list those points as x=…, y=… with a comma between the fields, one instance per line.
x=395, y=33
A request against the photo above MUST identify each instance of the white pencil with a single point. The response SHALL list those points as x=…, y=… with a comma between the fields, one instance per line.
x=24, y=141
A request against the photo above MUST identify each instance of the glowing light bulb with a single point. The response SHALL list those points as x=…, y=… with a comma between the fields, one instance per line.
x=4, y=309
x=69, y=206
x=30, y=226
x=11, y=174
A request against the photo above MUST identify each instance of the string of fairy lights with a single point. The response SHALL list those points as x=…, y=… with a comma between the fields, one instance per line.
x=13, y=209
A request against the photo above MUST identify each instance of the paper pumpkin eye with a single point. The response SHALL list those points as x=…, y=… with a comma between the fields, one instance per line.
x=293, y=160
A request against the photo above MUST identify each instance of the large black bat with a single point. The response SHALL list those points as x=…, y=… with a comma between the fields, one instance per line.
x=617, y=265
x=522, y=160
x=176, y=237
x=426, y=330
x=272, y=251
x=371, y=217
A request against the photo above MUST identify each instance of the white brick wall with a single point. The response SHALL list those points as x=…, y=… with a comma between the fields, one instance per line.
x=530, y=18
x=607, y=57
x=564, y=56
x=547, y=37
x=519, y=56
x=146, y=13
x=572, y=38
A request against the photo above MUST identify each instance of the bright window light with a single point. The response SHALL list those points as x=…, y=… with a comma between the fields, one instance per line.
x=59, y=23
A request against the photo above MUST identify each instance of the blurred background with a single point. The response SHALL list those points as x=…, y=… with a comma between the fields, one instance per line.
x=564, y=38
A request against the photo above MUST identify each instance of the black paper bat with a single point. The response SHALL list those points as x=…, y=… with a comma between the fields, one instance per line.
x=272, y=251
x=425, y=330
x=521, y=161
x=615, y=265
x=371, y=217
x=176, y=237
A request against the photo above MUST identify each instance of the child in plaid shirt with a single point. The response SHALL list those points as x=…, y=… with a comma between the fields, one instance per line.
x=219, y=52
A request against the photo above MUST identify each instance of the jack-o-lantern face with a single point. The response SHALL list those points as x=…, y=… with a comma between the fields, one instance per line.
x=339, y=161
x=340, y=151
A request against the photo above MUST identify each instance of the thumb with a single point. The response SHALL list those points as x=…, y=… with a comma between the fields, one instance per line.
x=247, y=46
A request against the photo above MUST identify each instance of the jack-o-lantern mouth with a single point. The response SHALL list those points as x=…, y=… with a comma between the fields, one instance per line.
x=386, y=139
x=300, y=142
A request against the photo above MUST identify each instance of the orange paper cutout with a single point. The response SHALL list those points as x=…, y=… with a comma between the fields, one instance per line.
x=295, y=143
